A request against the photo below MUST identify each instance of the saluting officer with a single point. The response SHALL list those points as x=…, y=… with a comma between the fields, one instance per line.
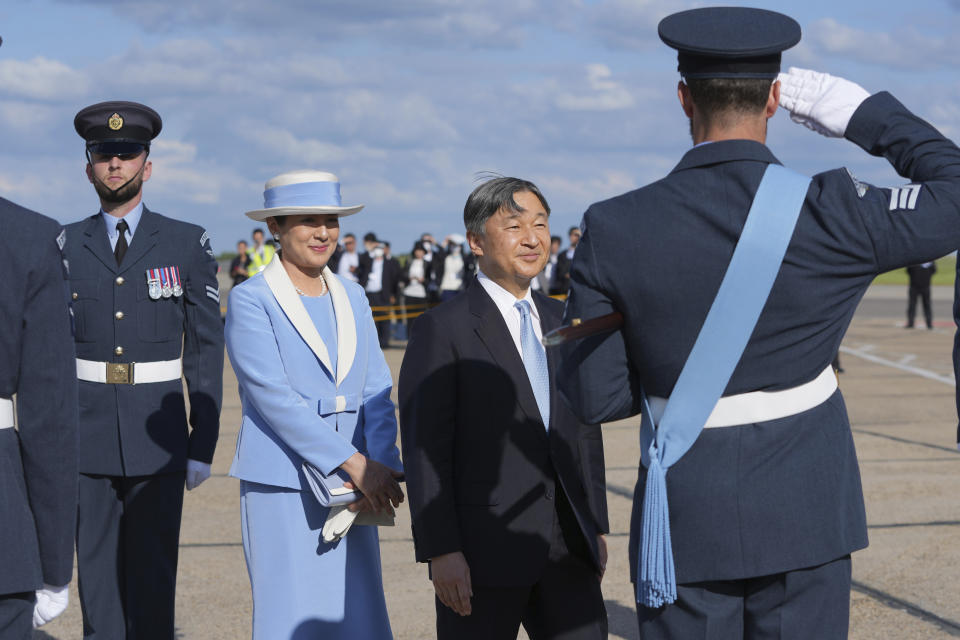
x=147, y=309
x=38, y=458
x=765, y=506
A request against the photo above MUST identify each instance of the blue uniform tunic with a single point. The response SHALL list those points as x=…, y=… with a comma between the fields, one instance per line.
x=764, y=498
x=38, y=459
x=138, y=430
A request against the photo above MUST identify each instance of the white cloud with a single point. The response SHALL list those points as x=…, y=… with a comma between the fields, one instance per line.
x=903, y=48
x=425, y=23
x=298, y=150
x=602, y=94
x=587, y=188
x=172, y=151
x=41, y=78
x=945, y=115
x=626, y=24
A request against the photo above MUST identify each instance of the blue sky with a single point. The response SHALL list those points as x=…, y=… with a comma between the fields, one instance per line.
x=408, y=101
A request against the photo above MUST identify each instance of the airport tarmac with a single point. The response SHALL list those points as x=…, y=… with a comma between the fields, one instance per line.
x=899, y=389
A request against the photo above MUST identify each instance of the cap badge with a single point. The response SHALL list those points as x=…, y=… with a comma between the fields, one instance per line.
x=115, y=122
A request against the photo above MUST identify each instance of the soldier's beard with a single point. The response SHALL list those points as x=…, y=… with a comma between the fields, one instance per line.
x=123, y=194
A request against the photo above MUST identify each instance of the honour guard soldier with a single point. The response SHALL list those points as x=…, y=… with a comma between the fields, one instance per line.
x=742, y=409
x=147, y=308
x=38, y=392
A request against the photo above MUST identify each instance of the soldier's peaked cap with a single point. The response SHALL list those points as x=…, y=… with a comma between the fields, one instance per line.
x=729, y=42
x=117, y=127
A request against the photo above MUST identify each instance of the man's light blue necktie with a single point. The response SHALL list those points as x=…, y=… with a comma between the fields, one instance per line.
x=534, y=361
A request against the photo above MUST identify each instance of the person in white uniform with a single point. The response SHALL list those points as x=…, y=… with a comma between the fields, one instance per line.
x=315, y=389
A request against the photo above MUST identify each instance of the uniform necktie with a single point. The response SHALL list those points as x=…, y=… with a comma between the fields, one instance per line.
x=534, y=361
x=121, y=249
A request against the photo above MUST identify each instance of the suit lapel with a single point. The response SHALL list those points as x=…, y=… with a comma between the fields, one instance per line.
x=346, y=326
x=289, y=300
x=143, y=240
x=95, y=240
x=493, y=332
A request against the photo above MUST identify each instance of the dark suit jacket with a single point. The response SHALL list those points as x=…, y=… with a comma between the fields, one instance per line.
x=920, y=275
x=389, y=278
x=561, y=276
x=785, y=494
x=392, y=276
x=38, y=459
x=141, y=429
x=482, y=471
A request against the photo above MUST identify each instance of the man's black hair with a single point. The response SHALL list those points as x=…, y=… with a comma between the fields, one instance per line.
x=493, y=195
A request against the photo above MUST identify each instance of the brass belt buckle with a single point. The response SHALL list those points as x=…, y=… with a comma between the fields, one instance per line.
x=119, y=373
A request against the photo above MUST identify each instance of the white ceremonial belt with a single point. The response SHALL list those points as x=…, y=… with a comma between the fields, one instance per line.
x=129, y=372
x=761, y=406
x=6, y=413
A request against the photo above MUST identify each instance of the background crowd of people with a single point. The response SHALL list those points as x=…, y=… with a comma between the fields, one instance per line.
x=401, y=287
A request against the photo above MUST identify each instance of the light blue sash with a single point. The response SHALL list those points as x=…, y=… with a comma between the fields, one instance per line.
x=719, y=346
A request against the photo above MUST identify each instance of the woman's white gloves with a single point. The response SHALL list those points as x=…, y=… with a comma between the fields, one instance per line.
x=339, y=521
x=820, y=101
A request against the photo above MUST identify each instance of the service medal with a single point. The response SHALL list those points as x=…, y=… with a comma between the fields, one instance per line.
x=165, y=281
x=177, y=287
x=153, y=284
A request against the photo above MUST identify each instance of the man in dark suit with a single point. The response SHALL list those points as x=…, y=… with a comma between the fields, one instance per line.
x=766, y=506
x=506, y=487
x=920, y=276
x=373, y=274
x=564, y=260
x=147, y=308
x=392, y=274
x=38, y=458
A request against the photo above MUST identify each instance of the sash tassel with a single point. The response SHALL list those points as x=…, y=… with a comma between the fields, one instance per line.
x=656, y=583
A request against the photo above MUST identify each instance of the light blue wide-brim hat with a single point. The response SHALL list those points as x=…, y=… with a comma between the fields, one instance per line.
x=301, y=192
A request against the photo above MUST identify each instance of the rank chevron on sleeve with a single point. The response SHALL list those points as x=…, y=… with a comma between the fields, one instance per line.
x=905, y=197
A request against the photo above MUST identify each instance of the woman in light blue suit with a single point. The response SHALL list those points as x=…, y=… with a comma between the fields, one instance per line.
x=315, y=389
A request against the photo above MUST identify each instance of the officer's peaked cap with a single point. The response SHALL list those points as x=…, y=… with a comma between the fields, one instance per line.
x=117, y=127
x=729, y=42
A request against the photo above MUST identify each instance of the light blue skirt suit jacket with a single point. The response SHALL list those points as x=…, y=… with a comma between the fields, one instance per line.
x=302, y=401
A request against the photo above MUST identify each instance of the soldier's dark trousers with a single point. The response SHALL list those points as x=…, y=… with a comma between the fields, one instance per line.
x=795, y=605
x=128, y=534
x=16, y=615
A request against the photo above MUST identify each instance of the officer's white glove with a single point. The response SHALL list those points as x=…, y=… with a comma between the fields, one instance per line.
x=339, y=521
x=820, y=101
x=197, y=472
x=51, y=602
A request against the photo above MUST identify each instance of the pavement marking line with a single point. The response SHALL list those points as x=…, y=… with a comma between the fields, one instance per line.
x=903, y=440
x=901, y=525
x=863, y=352
x=894, y=460
x=949, y=626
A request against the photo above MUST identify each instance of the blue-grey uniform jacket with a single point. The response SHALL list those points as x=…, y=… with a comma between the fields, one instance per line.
x=141, y=429
x=38, y=460
x=762, y=498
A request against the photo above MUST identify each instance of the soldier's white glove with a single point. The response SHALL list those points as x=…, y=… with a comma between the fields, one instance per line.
x=51, y=602
x=339, y=521
x=820, y=101
x=197, y=472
